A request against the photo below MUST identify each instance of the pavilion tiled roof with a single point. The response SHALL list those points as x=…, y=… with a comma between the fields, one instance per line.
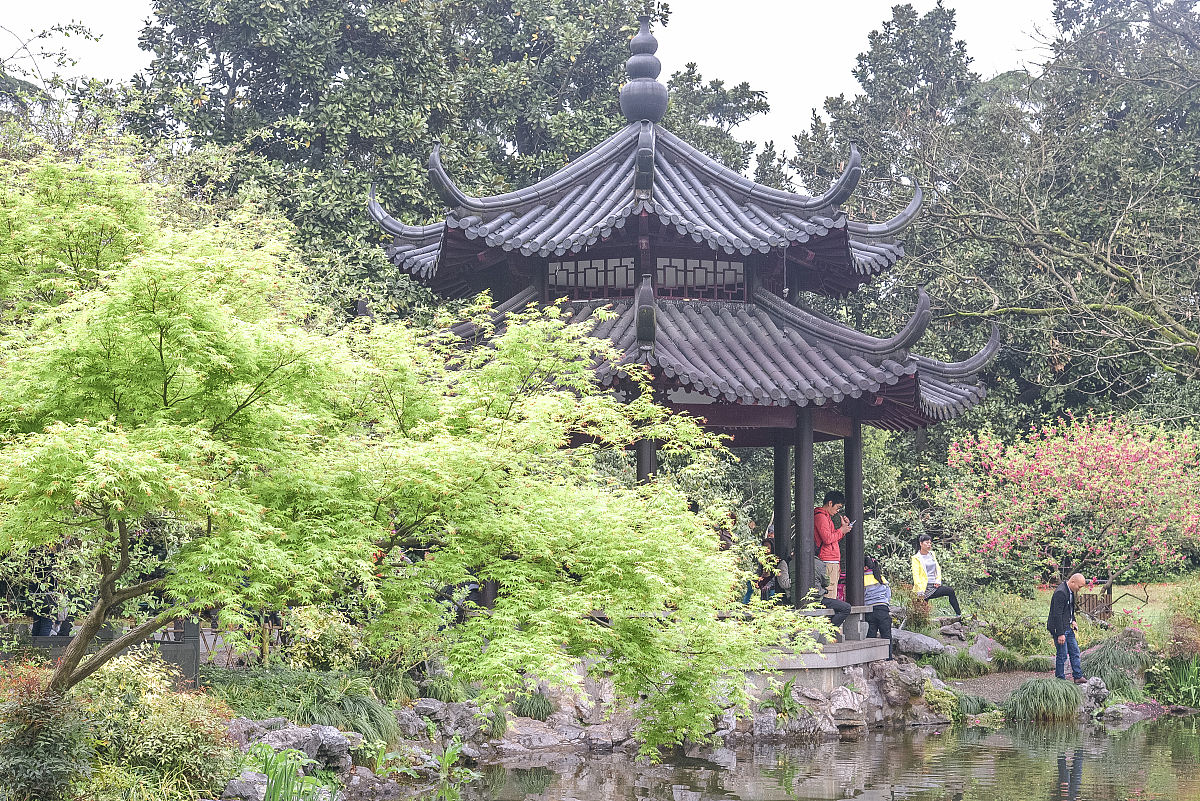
x=776, y=354
x=644, y=168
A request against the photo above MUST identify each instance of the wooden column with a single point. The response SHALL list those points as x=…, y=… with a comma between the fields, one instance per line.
x=854, y=508
x=647, y=460
x=783, y=499
x=802, y=570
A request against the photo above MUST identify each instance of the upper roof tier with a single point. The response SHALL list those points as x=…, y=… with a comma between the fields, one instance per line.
x=644, y=168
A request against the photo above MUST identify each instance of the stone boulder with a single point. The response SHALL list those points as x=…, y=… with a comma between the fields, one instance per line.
x=326, y=745
x=250, y=786
x=846, y=708
x=244, y=731
x=914, y=644
x=363, y=785
x=898, y=683
x=955, y=631
x=411, y=724
x=1095, y=694
x=983, y=648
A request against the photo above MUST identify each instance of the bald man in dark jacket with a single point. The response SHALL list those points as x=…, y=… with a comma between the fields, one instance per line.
x=1061, y=624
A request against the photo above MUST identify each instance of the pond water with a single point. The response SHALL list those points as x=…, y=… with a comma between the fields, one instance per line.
x=1154, y=760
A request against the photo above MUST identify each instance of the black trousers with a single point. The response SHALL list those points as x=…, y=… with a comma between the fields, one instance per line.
x=879, y=624
x=841, y=610
x=945, y=591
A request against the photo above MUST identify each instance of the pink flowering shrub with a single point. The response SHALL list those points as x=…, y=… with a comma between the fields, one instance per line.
x=1098, y=496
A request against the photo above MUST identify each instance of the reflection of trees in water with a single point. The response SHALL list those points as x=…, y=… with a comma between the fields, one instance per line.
x=1015, y=764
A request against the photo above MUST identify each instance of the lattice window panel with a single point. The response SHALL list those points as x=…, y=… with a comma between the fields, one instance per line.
x=593, y=278
x=700, y=279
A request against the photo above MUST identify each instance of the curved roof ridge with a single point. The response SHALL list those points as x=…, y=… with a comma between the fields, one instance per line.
x=966, y=369
x=837, y=194
x=893, y=226
x=824, y=327
x=556, y=182
x=418, y=234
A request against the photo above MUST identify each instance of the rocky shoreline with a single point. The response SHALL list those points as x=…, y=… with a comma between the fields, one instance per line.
x=878, y=695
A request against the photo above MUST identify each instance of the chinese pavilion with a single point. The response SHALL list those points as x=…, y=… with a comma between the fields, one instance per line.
x=706, y=271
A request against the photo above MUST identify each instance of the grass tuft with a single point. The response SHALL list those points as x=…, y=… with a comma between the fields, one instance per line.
x=1006, y=661
x=349, y=704
x=971, y=704
x=1119, y=661
x=1044, y=699
x=1039, y=664
x=533, y=705
x=956, y=664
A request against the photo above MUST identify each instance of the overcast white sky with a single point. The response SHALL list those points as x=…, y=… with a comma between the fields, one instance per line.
x=797, y=51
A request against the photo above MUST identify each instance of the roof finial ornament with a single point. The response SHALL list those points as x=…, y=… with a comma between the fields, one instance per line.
x=643, y=97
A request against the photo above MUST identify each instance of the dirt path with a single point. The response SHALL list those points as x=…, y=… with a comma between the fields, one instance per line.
x=995, y=687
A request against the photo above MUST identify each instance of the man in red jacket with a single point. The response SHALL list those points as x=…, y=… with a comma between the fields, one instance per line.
x=827, y=538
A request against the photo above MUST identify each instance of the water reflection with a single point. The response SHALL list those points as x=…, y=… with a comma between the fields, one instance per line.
x=1149, y=761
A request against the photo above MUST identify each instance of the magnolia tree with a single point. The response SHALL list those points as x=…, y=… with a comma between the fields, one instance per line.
x=1103, y=497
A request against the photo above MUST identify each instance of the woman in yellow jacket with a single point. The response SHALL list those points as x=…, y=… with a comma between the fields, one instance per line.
x=927, y=576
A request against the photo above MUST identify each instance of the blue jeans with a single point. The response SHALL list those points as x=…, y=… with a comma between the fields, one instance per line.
x=1061, y=651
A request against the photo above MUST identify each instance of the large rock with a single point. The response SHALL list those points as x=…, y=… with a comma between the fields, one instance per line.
x=846, y=708
x=914, y=644
x=244, y=731
x=983, y=648
x=1095, y=694
x=898, y=683
x=363, y=785
x=411, y=724
x=328, y=747
x=250, y=786
x=955, y=630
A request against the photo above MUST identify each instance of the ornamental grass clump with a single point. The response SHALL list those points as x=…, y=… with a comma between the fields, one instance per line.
x=969, y=704
x=532, y=705
x=1004, y=660
x=1044, y=699
x=957, y=664
x=1119, y=661
x=349, y=704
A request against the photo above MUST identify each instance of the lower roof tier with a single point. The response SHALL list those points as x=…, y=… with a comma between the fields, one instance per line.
x=754, y=355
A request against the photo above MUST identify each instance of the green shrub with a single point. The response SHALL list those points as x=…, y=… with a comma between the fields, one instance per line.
x=320, y=638
x=1119, y=661
x=142, y=722
x=348, y=703
x=957, y=664
x=532, y=705
x=45, y=740
x=1175, y=681
x=1183, y=606
x=1016, y=623
x=497, y=721
x=1044, y=699
x=942, y=702
x=113, y=782
x=920, y=614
